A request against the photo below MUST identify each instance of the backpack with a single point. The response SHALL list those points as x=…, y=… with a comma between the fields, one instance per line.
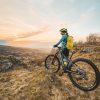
x=69, y=43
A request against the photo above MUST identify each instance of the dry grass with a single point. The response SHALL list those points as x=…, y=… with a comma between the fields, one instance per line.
x=29, y=81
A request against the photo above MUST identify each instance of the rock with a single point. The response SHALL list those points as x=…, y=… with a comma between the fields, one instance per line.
x=87, y=50
x=5, y=65
x=15, y=60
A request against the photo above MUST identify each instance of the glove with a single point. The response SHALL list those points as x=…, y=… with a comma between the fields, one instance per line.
x=55, y=46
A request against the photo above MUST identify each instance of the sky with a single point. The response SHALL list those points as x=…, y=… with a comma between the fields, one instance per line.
x=36, y=23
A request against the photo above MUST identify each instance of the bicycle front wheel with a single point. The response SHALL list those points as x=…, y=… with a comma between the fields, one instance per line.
x=52, y=64
x=86, y=74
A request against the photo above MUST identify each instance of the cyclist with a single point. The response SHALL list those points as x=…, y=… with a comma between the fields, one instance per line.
x=63, y=42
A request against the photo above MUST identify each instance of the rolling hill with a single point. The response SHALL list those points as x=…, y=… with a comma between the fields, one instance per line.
x=26, y=78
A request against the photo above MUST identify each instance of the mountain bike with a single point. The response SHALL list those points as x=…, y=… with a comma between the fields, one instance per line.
x=82, y=72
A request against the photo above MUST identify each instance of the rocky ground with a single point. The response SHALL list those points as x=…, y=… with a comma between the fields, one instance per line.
x=23, y=77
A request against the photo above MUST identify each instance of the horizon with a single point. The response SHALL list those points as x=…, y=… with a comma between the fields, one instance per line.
x=36, y=24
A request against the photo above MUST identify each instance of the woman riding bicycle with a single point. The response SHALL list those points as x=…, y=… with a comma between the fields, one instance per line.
x=82, y=72
x=63, y=42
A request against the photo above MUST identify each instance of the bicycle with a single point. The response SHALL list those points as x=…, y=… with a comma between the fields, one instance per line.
x=81, y=77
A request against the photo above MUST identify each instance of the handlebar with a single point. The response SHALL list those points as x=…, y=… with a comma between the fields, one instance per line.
x=59, y=47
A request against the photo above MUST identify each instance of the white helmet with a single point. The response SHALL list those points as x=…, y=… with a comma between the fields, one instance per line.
x=63, y=30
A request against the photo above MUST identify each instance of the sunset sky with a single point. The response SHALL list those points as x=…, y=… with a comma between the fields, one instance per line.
x=36, y=23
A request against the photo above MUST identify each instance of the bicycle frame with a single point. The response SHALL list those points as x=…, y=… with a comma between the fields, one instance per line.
x=76, y=74
x=62, y=56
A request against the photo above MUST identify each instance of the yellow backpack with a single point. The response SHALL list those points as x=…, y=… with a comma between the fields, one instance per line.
x=69, y=43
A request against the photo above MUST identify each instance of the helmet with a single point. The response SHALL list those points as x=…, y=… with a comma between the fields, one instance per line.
x=63, y=30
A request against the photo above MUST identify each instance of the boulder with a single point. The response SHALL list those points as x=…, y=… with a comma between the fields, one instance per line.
x=87, y=50
x=5, y=65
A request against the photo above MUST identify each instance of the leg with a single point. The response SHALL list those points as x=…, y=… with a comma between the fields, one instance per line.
x=66, y=52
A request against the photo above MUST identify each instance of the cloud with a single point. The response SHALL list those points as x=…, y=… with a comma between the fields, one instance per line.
x=22, y=19
x=29, y=34
x=18, y=36
x=72, y=1
x=30, y=44
x=47, y=2
x=89, y=14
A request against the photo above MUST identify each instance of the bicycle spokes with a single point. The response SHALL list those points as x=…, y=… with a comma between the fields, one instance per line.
x=84, y=75
x=52, y=64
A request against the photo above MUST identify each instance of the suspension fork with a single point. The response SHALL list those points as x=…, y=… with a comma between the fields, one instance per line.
x=60, y=58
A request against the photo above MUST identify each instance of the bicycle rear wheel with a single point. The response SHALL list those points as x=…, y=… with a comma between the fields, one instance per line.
x=52, y=64
x=86, y=77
